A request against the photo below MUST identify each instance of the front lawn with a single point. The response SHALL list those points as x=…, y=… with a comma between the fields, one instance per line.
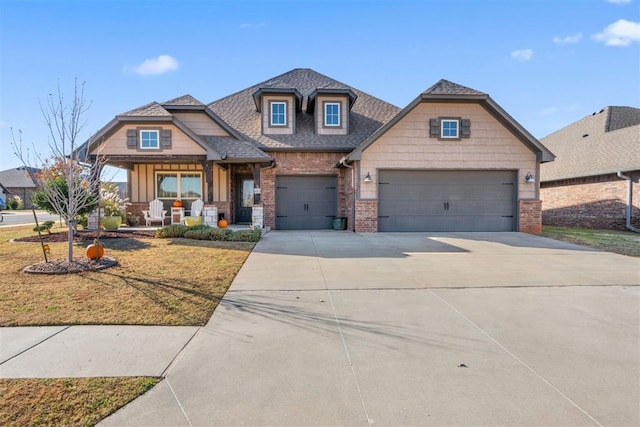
x=175, y=282
x=620, y=242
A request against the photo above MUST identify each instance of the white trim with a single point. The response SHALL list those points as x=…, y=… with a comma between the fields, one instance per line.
x=457, y=122
x=157, y=132
x=326, y=104
x=271, y=104
x=178, y=174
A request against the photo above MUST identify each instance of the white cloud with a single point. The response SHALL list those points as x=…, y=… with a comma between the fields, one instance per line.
x=160, y=65
x=619, y=1
x=620, y=33
x=252, y=25
x=568, y=39
x=522, y=55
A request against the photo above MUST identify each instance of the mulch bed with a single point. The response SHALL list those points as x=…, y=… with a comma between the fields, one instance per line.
x=89, y=235
x=63, y=266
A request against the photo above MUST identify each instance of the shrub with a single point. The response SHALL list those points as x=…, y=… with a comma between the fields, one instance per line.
x=199, y=234
x=221, y=234
x=174, y=230
x=200, y=227
x=45, y=226
x=245, y=236
x=14, y=203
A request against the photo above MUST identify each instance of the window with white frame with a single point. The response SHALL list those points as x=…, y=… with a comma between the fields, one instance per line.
x=332, y=114
x=449, y=128
x=278, y=114
x=179, y=185
x=149, y=139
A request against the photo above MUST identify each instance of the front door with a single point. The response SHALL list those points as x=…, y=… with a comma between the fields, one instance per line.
x=244, y=199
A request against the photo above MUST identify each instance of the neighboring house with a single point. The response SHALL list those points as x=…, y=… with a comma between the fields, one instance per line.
x=20, y=182
x=307, y=148
x=582, y=188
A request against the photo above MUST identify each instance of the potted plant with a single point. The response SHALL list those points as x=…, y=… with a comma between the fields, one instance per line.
x=113, y=207
x=132, y=220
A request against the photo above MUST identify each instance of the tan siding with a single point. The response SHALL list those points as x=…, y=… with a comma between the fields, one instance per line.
x=319, y=115
x=220, y=184
x=201, y=124
x=266, y=111
x=408, y=146
x=181, y=144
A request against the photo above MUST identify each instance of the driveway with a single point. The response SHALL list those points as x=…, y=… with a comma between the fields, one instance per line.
x=337, y=328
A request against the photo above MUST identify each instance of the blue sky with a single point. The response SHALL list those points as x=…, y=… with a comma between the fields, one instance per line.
x=547, y=62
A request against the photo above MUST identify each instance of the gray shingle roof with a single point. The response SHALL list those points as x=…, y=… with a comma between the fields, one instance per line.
x=445, y=87
x=18, y=177
x=184, y=100
x=367, y=114
x=604, y=142
x=232, y=149
x=152, y=109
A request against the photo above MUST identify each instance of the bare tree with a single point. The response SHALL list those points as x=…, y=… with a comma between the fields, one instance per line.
x=68, y=184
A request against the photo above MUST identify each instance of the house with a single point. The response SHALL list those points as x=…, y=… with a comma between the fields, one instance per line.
x=582, y=187
x=4, y=194
x=301, y=149
x=20, y=182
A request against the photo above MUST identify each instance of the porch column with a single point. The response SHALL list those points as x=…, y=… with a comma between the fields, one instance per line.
x=207, y=168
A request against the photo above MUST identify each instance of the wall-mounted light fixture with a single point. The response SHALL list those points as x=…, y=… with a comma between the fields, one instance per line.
x=529, y=179
x=367, y=178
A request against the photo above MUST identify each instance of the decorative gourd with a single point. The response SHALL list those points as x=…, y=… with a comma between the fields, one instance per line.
x=177, y=204
x=223, y=223
x=95, y=250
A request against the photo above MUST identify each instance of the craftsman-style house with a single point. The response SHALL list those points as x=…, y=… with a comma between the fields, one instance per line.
x=306, y=148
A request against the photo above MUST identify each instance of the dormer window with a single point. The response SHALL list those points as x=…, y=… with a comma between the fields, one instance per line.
x=278, y=113
x=149, y=139
x=332, y=114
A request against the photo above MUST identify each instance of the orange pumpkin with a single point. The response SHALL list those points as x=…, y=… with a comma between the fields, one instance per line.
x=177, y=204
x=223, y=223
x=95, y=250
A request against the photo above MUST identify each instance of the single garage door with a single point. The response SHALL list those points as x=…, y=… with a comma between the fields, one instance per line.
x=446, y=200
x=306, y=202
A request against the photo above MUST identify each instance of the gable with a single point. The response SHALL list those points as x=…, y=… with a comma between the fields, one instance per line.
x=200, y=123
x=116, y=143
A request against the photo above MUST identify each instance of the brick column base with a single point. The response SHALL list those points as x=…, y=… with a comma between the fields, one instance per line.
x=366, y=216
x=530, y=216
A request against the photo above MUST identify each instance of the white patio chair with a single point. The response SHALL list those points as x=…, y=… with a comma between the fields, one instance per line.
x=155, y=213
x=195, y=216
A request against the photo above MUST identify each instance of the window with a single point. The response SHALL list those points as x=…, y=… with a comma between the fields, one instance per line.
x=278, y=114
x=149, y=139
x=449, y=129
x=332, y=114
x=179, y=185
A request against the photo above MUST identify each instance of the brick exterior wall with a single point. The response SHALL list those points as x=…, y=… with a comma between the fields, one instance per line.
x=366, y=216
x=530, y=216
x=590, y=202
x=311, y=163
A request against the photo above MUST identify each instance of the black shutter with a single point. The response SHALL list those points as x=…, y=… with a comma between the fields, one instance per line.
x=132, y=138
x=165, y=138
x=434, y=128
x=465, y=128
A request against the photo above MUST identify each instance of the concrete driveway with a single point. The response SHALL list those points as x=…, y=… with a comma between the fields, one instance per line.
x=337, y=328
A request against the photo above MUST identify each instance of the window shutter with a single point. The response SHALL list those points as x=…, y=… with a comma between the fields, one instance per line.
x=434, y=128
x=132, y=138
x=165, y=138
x=465, y=128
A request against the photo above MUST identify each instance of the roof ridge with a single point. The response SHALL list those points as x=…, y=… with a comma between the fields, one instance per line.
x=447, y=87
x=187, y=96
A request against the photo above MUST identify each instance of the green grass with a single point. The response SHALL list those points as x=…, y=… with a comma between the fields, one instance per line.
x=620, y=242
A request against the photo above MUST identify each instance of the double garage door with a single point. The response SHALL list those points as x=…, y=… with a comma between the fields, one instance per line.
x=446, y=200
x=306, y=202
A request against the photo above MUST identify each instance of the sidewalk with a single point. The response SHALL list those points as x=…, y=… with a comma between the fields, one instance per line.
x=90, y=351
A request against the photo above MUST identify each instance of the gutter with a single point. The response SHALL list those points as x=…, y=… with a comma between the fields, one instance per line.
x=629, y=206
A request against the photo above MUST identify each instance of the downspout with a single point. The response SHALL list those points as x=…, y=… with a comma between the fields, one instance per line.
x=629, y=201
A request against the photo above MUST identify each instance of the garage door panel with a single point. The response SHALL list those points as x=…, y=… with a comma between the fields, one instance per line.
x=446, y=200
x=306, y=202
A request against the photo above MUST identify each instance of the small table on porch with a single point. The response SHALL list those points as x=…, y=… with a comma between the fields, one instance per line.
x=177, y=215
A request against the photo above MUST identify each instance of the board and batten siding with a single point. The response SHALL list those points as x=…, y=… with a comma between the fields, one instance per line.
x=220, y=184
x=407, y=145
x=143, y=178
x=181, y=144
x=201, y=124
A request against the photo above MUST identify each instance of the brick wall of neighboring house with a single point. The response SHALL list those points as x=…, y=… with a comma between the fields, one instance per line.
x=530, y=216
x=311, y=163
x=590, y=202
x=366, y=216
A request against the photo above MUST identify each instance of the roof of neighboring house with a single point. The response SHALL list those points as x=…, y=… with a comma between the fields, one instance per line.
x=605, y=142
x=18, y=177
x=239, y=110
x=443, y=91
